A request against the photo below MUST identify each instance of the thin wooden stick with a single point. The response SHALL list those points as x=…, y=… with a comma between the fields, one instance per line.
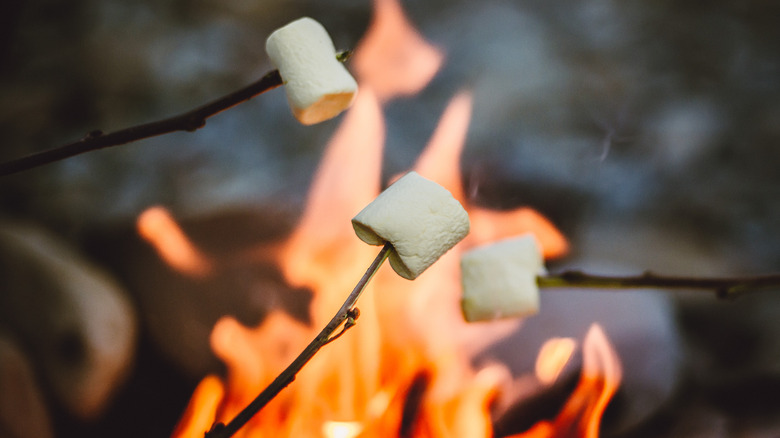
x=347, y=313
x=723, y=287
x=189, y=121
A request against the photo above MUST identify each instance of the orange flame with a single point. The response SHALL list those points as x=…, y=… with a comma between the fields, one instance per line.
x=553, y=357
x=201, y=413
x=405, y=369
x=160, y=229
x=441, y=159
x=600, y=378
x=393, y=59
x=490, y=225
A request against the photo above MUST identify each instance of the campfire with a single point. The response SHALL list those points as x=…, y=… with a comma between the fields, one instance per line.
x=407, y=368
x=235, y=275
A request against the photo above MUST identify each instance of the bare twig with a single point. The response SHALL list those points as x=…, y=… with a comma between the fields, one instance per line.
x=723, y=287
x=346, y=315
x=188, y=121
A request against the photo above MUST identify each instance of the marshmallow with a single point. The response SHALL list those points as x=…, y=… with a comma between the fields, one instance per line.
x=317, y=84
x=499, y=279
x=418, y=217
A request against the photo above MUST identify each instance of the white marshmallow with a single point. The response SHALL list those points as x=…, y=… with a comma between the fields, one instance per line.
x=499, y=279
x=418, y=217
x=318, y=86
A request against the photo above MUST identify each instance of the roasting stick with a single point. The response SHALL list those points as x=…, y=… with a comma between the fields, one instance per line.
x=502, y=280
x=312, y=98
x=188, y=121
x=416, y=221
x=344, y=318
x=723, y=287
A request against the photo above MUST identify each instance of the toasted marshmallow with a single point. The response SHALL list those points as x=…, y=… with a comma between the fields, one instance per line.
x=499, y=279
x=318, y=86
x=419, y=218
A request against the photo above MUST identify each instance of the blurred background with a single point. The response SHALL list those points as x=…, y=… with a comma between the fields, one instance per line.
x=648, y=132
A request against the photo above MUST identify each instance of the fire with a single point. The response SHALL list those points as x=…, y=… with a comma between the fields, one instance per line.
x=395, y=60
x=600, y=378
x=553, y=356
x=405, y=368
x=158, y=227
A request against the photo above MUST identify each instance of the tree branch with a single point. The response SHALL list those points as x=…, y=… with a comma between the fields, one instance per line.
x=347, y=313
x=723, y=287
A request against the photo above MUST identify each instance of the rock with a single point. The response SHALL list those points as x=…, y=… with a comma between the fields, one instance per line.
x=178, y=309
x=23, y=412
x=73, y=318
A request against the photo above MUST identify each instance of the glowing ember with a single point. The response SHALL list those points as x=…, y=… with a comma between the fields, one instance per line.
x=405, y=369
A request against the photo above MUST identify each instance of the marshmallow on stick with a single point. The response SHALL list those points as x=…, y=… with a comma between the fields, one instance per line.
x=419, y=218
x=317, y=84
x=499, y=279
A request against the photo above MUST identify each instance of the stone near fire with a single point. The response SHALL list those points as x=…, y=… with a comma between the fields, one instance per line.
x=70, y=316
x=23, y=410
x=418, y=217
x=318, y=86
x=499, y=279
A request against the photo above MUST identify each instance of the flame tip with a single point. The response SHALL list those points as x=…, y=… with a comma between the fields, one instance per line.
x=400, y=356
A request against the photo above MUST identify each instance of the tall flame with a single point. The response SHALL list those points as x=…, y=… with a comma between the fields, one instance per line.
x=393, y=59
x=600, y=378
x=405, y=369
